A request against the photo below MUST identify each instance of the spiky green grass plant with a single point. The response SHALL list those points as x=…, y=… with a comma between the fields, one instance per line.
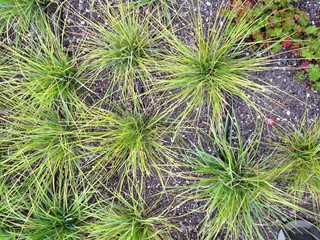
x=44, y=75
x=299, y=151
x=58, y=212
x=20, y=14
x=130, y=218
x=210, y=62
x=132, y=141
x=236, y=183
x=41, y=144
x=122, y=48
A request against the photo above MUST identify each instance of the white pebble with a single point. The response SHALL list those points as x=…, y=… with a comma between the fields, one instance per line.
x=208, y=4
x=82, y=22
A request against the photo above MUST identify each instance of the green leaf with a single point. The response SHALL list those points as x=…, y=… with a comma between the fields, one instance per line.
x=257, y=11
x=276, y=32
x=307, y=53
x=314, y=72
x=277, y=48
x=258, y=36
x=296, y=36
x=312, y=30
x=315, y=47
x=289, y=25
x=317, y=86
x=304, y=19
x=300, y=76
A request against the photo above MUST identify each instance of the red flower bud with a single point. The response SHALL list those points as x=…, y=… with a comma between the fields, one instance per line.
x=270, y=121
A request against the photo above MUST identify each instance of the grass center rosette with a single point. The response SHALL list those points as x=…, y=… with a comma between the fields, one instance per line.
x=133, y=142
x=60, y=211
x=237, y=186
x=43, y=75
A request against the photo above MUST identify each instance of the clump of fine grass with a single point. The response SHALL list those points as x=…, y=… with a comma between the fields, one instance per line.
x=20, y=14
x=299, y=151
x=122, y=48
x=237, y=186
x=211, y=62
x=130, y=218
x=40, y=143
x=60, y=211
x=42, y=74
x=131, y=141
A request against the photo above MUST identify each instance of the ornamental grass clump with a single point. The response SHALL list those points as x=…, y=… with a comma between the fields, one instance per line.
x=58, y=212
x=121, y=47
x=131, y=218
x=132, y=142
x=44, y=75
x=299, y=152
x=236, y=183
x=203, y=69
x=19, y=15
x=41, y=144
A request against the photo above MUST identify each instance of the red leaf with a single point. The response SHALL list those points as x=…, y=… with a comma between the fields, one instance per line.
x=249, y=3
x=305, y=65
x=287, y=43
x=270, y=121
